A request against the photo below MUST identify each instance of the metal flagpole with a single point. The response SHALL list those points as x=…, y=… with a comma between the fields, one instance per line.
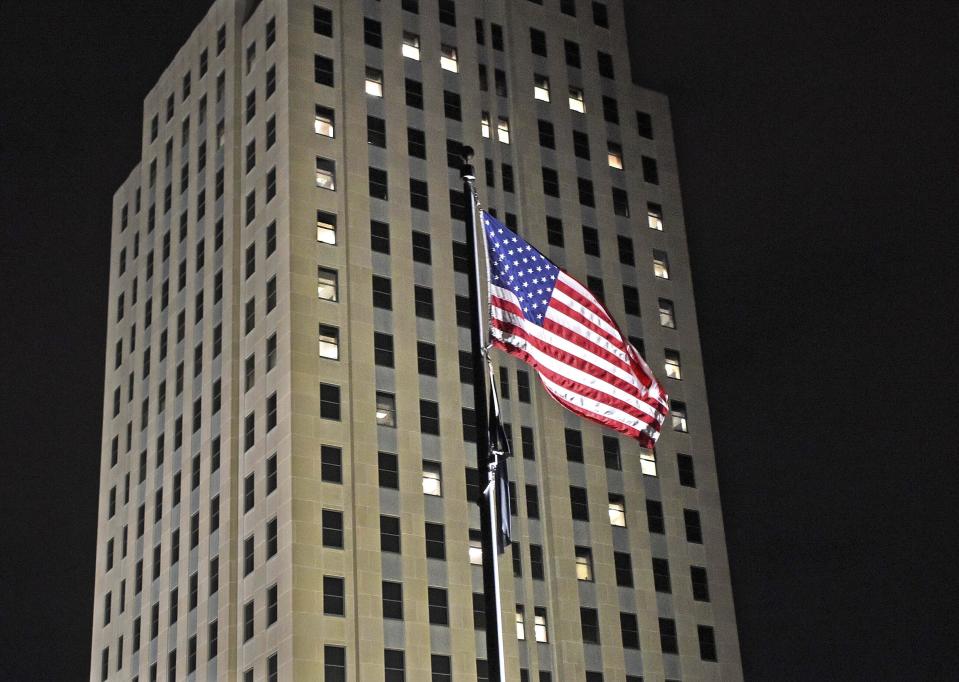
x=495, y=656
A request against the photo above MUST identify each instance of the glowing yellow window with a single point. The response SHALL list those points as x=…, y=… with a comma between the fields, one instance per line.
x=614, y=156
x=647, y=462
x=617, y=511
x=673, y=370
x=502, y=130
x=541, y=88
x=411, y=46
x=484, y=124
x=432, y=479
x=660, y=264
x=374, y=82
x=576, y=101
x=448, y=59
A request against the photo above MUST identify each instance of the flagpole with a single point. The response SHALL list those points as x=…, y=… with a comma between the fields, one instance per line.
x=495, y=654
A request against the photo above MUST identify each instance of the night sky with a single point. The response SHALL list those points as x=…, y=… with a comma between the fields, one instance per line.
x=819, y=161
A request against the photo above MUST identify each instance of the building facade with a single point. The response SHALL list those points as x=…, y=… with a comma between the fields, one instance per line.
x=288, y=473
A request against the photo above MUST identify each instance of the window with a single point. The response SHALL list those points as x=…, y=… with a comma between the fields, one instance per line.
x=540, y=87
x=600, y=17
x=586, y=196
x=617, y=511
x=414, y=94
x=707, y=642
x=382, y=293
x=333, y=596
x=447, y=12
x=614, y=155
x=579, y=505
x=611, y=453
x=677, y=413
x=687, y=475
x=390, y=533
x=435, y=541
x=324, y=121
x=629, y=627
x=270, y=81
x=502, y=130
x=581, y=144
x=590, y=241
x=660, y=264
x=379, y=188
x=654, y=216
x=484, y=124
x=537, y=42
x=532, y=502
x=697, y=575
x=419, y=194
x=536, y=568
x=327, y=287
x=520, y=622
x=416, y=143
x=248, y=555
x=411, y=46
x=694, y=528
x=372, y=33
x=463, y=311
x=624, y=569
x=325, y=173
x=440, y=668
x=334, y=663
x=667, y=316
x=392, y=600
x=432, y=478
x=605, y=63
x=426, y=358
x=438, y=607
x=475, y=543
x=329, y=342
x=394, y=665
x=654, y=516
x=322, y=21
x=323, y=70
x=423, y=302
x=385, y=409
x=661, y=575
x=673, y=368
x=576, y=101
x=667, y=636
x=332, y=528
x=451, y=106
x=248, y=493
x=383, y=349
x=331, y=464
x=650, y=170
x=429, y=417
x=388, y=470
x=379, y=237
x=647, y=462
x=376, y=131
x=526, y=440
x=589, y=621
x=546, y=136
x=610, y=110
x=448, y=59
x=329, y=401
x=644, y=125
x=374, y=82
x=550, y=182
x=271, y=605
x=574, y=445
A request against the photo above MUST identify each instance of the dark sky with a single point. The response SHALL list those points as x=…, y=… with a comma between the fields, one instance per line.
x=819, y=159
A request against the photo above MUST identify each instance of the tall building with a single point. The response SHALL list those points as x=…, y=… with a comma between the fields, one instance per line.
x=288, y=470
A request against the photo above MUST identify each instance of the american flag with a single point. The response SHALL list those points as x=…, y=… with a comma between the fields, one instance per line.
x=552, y=322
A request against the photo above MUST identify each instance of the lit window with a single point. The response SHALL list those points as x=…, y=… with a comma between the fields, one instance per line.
x=576, y=102
x=617, y=511
x=326, y=284
x=520, y=623
x=540, y=88
x=677, y=411
x=432, y=479
x=660, y=264
x=325, y=227
x=614, y=155
x=654, y=216
x=411, y=46
x=448, y=58
x=484, y=124
x=323, y=121
x=502, y=130
x=539, y=625
x=374, y=82
x=667, y=316
x=385, y=409
x=329, y=342
x=325, y=173
x=647, y=462
x=476, y=548
x=584, y=564
x=673, y=370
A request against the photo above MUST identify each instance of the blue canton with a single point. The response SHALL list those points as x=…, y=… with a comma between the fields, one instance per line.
x=517, y=266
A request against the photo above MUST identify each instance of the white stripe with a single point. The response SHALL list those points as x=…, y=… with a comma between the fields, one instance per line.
x=588, y=313
x=574, y=374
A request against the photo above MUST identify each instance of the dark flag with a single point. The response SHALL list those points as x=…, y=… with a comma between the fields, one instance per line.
x=499, y=452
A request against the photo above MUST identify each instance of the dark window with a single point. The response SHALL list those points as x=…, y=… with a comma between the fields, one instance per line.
x=411, y=6
x=654, y=515
x=707, y=642
x=600, y=17
x=463, y=311
x=532, y=502
x=332, y=528
x=550, y=182
x=329, y=401
x=462, y=257
x=661, y=575
x=568, y=7
x=379, y=236
x=626, y=253
x=537, y=42
x=590, y=240
x=334, y=664
x=435, y=541
x=650, y=170
x=271, y=605
x=271, y=474
x=574, y=445
x=620, y=202
x=378, y=183
x=611, y=453
x=496, y=32
x=390, y=534
x=605, y=61
x=429, y=417
x=697, y=575
x=526, y=440
x=333, y=596
x=687, y=475
x=382, y=293
x=589, y=619
x=509, y=184
x=426, y=358
x=581, y=144
x=388, y=470
x=631, y=300
x=585, y=187
x=466, y=367
x=438, y=606
x=447, y=12
x=451, y=105
x=579, y=505
x=554, y=231
x=323, y=70
x=536, y=562
x=271, y=412
x=572, y=53
x=629, y=627
x=383, y=349
x=423, y=302
x=458, y=205
x=414, y=93
x=372, y=33
x=595, y=286
x=248, y=555
x=469, y=424
x=694, y=529
x=392, y=600
x=248, y=493
x=624, y=569
x=331, y=464
x=376, y=131
x=322, y=21
x=500, y=83
x=394, y=665
x=440, y=668
x=419, y=195
x=610, y=110
x=667, y=636
x=644, y=125
x=547, y=137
